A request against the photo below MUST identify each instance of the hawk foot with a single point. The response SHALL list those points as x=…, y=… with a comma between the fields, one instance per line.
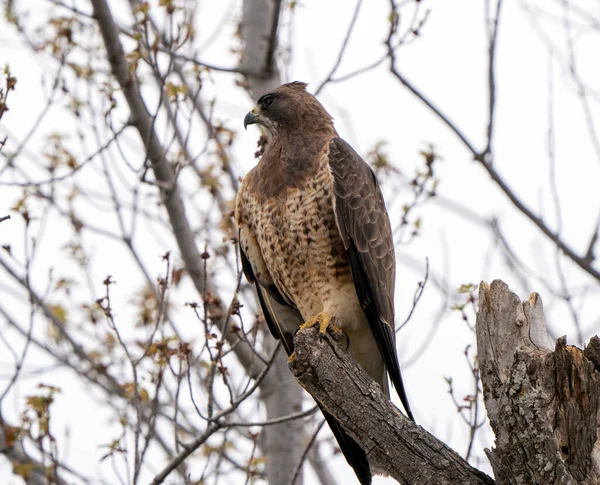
x=324, y=321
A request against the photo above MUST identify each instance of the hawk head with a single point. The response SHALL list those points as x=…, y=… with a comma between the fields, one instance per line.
x=289, y=109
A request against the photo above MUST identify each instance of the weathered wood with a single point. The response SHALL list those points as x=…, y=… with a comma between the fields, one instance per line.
x=543, y=404
x=542, y=399
x=393, y=443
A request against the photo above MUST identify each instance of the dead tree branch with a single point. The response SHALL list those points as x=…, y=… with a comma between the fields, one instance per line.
x=393, y=444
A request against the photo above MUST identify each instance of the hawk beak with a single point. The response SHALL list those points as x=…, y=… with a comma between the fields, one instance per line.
x=250, y=119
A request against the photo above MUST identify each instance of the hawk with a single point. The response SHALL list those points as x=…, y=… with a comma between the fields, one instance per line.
x=316, y=241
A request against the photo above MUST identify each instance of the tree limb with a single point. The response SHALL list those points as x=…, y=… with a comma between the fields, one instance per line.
x=164, y=174
x=258, y=28
x=393, y=444
x=278, y=391
x=543, y=402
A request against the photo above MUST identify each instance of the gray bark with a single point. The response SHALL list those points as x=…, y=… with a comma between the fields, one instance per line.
x=391, y=441
x=258, y=28
x=282, y=444
x=543, y=404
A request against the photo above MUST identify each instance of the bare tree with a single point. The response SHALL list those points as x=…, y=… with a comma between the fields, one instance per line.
x=120, y=271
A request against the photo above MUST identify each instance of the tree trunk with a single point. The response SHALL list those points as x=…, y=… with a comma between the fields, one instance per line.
x=260, y=19
x=283, y=444
x=543, y=403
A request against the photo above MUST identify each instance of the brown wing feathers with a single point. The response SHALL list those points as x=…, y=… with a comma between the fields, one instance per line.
x=365, y=229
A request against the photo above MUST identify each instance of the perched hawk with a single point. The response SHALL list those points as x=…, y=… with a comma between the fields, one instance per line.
x=316, y=241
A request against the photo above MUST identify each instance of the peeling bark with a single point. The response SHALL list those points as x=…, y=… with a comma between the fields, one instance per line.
x=543, y=404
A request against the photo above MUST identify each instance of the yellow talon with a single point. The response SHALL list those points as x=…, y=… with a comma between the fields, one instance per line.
x=324, y=321
x=292, y=358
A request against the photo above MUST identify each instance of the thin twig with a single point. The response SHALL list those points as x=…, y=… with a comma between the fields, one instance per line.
x=492, y=77
x=485, y=160
x=417, y=296
x=188, y=450
x=214, y=426
x=342, y=49
x=305, y=453
x=269, y=422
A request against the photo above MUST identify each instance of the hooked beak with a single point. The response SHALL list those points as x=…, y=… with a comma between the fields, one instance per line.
x=250, y=119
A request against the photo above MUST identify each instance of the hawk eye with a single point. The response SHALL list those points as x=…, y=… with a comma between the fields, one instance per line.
x=267, y=101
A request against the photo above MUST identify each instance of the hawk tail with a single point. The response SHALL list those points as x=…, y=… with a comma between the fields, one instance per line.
x=387, y=348
x=354, y=454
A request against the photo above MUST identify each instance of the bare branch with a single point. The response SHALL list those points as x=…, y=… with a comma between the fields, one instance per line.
x=309, y=445
x=188, y=450
x=553, y=236
x=392, y=442
x=342, y=49
x=213, y=427
x=13, y=450
x=493, y=37
x=258, y=27
x=485, y=159
x=269, y=422
x=270, y=55
x=417, y=296
x=589, y=254
x=163, y=172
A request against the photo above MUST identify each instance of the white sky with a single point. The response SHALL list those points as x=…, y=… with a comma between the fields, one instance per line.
x=448, y=64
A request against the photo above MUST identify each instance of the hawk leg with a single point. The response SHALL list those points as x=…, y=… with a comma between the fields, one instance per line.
x=324, y=321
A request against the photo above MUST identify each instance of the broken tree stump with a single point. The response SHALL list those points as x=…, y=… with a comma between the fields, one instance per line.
x=543, y=401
